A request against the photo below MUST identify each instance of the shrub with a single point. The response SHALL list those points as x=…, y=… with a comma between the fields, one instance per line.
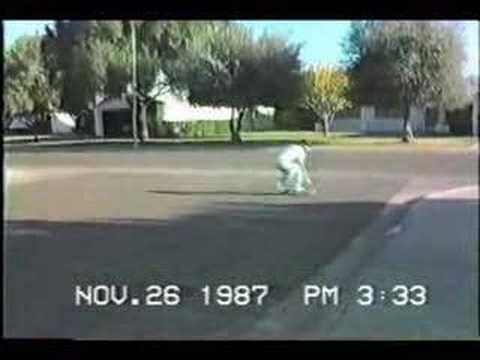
x=460, y=121
x=198, y=129
x=294, y=119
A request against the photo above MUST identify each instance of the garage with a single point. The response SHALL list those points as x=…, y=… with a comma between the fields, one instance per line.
x=113, y=118
x=117, y=123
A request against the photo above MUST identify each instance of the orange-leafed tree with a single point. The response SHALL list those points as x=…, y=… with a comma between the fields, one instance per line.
x=325, y=94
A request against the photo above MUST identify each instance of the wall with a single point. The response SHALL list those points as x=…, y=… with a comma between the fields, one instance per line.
x=347, y=124
x=369, y=121
x=382, y=124
x=62, y=123
x=176, y=109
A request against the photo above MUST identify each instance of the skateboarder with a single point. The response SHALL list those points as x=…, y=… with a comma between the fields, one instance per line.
x=291, y=163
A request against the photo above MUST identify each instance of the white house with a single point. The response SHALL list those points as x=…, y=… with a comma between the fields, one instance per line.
x=172, y=109
x=60, y=123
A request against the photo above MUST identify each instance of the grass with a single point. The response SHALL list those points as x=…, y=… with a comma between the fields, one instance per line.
x=345, y=140
x=316, y=138
x=340, y=139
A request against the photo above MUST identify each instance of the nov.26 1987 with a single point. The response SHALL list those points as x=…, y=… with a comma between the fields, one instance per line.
x=169, y=295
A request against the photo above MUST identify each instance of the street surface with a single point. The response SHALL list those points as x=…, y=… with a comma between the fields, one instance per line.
x=193, y=216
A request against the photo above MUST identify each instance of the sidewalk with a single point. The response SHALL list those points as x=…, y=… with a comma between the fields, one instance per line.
x=59, y=139
x=47, y=141
x=435, y=246
x=22, y=139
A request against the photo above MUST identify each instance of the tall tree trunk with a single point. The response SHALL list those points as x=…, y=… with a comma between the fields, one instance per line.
x=134, y=81
x=232, y=126
x=325, y=125
x=408, y=136
x=35, y=134
x=144, y=122
x=253, y=116
x=241, y=113
x=35, y=128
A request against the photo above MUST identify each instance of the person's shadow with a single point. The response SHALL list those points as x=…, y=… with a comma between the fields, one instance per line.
x=193, y=193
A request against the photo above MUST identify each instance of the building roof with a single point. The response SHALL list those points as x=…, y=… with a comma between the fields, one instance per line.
x=114, y=102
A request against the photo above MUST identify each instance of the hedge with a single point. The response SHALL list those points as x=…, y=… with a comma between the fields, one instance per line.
x=198, y=129
x=460, y=121
x=294, y=119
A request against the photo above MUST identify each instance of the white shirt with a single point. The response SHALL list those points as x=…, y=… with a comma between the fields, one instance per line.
x=291, y=154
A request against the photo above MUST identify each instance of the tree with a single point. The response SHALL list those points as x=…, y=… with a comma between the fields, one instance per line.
x=214, y=63
x=28, y=89
x=159, y=43
x=406, y=63
x=211, y=69
x=224, y=66
x=274, y=64
x=325, y=94
x=65, y=56
x=95, y=58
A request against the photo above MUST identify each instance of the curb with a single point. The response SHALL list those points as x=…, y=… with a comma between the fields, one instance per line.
x=451, y=192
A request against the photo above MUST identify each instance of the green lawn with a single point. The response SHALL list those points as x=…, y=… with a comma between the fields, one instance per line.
x=337, y=140
x=340, y=139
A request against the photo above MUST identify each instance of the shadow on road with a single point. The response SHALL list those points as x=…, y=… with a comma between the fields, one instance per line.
x=219, y=193
x=249, y=243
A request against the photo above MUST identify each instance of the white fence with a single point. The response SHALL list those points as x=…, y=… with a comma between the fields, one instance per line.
x=384, y=125
x=369, y=122
x=347, y=124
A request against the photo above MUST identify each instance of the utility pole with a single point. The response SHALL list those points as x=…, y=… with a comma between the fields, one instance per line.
x=134, y=80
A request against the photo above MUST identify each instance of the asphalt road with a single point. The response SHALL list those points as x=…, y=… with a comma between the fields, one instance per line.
x=188, y=216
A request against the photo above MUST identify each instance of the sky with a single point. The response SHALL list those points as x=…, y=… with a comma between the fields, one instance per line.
x=321, y=39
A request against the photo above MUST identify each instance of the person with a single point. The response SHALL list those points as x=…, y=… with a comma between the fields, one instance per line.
x=291, y=163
